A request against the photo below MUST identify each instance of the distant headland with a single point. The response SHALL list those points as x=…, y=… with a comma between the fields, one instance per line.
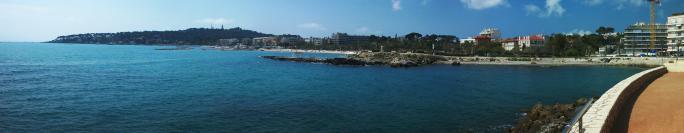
x=192, y=36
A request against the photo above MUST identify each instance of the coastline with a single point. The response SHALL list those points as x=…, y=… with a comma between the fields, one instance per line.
x=310, y=51
x=462, y=60
x=586, y=61
x=418, y=59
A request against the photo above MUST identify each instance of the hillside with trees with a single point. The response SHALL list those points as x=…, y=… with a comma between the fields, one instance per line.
x=192, y=36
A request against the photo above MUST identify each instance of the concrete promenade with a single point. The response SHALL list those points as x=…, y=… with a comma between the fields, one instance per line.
x=651, y=101
x=660, y=107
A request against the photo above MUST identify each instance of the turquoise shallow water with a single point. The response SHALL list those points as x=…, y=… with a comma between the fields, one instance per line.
x=118, y=88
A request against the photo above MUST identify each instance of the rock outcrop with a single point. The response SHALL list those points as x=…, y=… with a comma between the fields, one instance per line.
x=398, y=59
x=390, y=59
x=547, y=118
x=334, y=61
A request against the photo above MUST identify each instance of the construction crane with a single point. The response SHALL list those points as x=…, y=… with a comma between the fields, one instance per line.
x=652, y=25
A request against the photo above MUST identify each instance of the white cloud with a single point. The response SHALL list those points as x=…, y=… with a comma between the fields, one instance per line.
x=593, y=2
x=215, y=21
x=483, y=4
x=396, y=5
x=579, y=32
x=622, y=3
x=362, y=29
x=532, y=9
x=312, y=25
x=619, y=4
x=553, y=7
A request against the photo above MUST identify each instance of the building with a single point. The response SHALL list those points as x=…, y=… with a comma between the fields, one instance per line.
x=314, y=40
x=509, y=44
x=492, y=33
x=675, y=32
x=289, y=39
x=480, y=40
x=637, y=39
x=265, y=41
x=467, y=40
x=346, y=39
x=227, y=42
x=535, y=41
x=246, y=41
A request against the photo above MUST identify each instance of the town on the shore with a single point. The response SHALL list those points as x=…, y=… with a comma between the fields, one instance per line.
x=635, y=41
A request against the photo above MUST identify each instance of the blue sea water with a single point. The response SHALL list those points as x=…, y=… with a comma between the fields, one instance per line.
x=126, y=88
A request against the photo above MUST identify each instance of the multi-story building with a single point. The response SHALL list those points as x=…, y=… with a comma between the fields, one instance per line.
x=289, y=39
x=509, y=44
x=536, y=41
x=345, y=39
x=314, y=40
x=481, y=40
x=675, y=33
x=524, y=43
x=492, y=33
x=637, y=39
x=265, y=41
x=467, y=40
x=225, y=42
x=246, y=41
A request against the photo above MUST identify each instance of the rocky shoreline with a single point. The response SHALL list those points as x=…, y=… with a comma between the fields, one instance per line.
x=363, y=59
x=547, y=118
x=333, y=61
x=416, y=59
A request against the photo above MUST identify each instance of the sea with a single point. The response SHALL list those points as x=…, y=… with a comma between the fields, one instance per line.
x=48, y=87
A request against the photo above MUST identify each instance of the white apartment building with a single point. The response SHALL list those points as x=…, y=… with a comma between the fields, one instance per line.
x=637, y=39
x=469, y=39
x=675, y=32
x=536, y=41
x=492, y=33
x=509, y=44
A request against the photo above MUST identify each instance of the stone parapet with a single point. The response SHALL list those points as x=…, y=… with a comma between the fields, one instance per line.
x=601, y=116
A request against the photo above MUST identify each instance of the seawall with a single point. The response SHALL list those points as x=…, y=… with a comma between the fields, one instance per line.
x=602, y=115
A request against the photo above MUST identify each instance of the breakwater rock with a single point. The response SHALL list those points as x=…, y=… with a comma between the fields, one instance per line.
x=399, y=59
x=334, y=61
x=390, y=59
x=547, y=118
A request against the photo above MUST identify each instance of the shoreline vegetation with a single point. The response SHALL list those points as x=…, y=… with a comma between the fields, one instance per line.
x=418, y=59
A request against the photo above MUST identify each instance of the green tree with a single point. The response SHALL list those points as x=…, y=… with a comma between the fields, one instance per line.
x=516, y=49
x=413, y=36
x=557, y=43
x=603, y=30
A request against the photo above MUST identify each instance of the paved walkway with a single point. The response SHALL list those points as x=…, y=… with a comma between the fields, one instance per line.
x=660, y=107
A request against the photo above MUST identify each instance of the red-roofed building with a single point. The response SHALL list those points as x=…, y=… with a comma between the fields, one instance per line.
x=509, y=44
x=479, y=40
x=532, y=41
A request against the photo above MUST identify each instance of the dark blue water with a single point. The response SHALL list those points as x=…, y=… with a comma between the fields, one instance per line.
x=95, y=88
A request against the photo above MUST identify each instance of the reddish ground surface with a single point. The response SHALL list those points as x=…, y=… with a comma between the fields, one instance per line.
x=660, y=107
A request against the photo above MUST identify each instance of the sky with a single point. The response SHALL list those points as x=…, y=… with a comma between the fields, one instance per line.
x=44, y=20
